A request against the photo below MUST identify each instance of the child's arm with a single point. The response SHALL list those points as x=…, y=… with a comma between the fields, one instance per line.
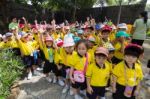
x=122, y=45
x=137, y=90
x=70, y=74
x=89, y=88
x=114, y=79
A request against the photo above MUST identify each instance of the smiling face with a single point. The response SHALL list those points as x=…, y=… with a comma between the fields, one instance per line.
x=69, y=49
x=130, y=59
x=82, y=49
x=49, y=43
x=100, y=58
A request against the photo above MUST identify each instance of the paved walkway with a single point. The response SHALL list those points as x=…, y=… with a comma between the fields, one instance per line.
x=39, y=88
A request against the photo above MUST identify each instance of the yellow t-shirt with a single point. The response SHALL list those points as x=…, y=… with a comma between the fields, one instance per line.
x=99, y=76
x=11, y=44
x=25, y=48
x=79, y=62
x=91, y=52
x=126, y=76
x=117, y=53
x=64, y=58
x=2, y=45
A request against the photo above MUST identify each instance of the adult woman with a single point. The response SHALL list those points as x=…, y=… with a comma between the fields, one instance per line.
x=140, y=27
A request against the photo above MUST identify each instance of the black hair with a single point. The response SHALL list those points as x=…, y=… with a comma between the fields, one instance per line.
x=84, y=42
x=145, y=16
x=133, y=51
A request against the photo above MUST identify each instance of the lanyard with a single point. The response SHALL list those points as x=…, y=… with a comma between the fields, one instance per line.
x=50, y=53
x=126, y=78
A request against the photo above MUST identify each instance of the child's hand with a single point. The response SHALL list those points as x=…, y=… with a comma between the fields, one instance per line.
x=89, y=90
x=72, y=80
x=35, y=21
x=23, y=18
x=113, y=89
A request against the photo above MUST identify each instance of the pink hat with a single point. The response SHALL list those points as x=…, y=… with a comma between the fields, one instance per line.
x=102, y=50
x=49, y=39
x=68, y=41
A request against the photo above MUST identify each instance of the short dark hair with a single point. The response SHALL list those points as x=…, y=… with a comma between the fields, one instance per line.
x=133, y=50
x=84, y=42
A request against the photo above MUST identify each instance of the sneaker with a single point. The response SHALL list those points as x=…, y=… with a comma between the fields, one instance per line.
x=65, y=89
x=77, y=96
x=49, y=79
x=61, y=82
x=54, y=80
x=71, y=92
x=39, y=69
x=29, y=76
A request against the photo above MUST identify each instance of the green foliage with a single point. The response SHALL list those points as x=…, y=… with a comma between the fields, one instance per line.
x=11, y=68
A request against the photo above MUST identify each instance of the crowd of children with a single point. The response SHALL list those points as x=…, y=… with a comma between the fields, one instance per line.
x=84, y=58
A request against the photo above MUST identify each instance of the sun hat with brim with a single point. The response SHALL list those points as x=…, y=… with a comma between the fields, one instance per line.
x=8, y=34
x=68, y=41
x=80, y=31
x=97, y=27
x=106, y=28
x=49, y=39
x=92, y=39
x=122, y=34
x=102, y=50
x=122, y=26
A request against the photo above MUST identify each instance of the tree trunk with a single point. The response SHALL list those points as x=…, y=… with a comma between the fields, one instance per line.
x=119, y=13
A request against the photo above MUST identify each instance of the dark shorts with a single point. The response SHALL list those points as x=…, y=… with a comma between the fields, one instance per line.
x=97, y=91
x=138, y=42
x=81, y=86
x=49, y=67
x=28, y=61
x=62, y=72
x=120, y=92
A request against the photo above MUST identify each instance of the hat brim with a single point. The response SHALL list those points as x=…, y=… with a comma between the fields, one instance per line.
x=101, y=52
x=68, y=45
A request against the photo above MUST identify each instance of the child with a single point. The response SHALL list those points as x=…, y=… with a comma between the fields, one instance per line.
x=98, y=74
x=26, y=51
x=127, y=74
x=119, y=44
x=49, y=52
x=65, y=60
x=80, y=63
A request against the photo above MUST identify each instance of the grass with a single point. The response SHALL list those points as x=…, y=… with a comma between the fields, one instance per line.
x=11, y=67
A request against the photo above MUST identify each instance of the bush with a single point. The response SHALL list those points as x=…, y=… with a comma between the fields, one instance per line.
x=11, y=68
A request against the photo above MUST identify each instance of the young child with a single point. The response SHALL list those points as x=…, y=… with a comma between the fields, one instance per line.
x=128, y=74
x=65, y=60
x=119, y=44
x=49, y=52
x=98, y=74
x=26, y=51
x=78, y=70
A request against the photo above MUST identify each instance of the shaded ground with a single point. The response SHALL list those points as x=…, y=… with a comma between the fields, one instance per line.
x=39, y=88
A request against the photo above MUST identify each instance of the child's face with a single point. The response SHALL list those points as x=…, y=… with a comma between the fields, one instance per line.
x=49, y=43
x=100, y=59
x=130, y=59
x=69, y=49
x=9, y=38
x=105, y=35
x=82, y=49
x=25, y=39
x=90, y=44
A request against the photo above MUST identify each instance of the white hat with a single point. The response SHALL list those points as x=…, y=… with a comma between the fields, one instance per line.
x=68, y=41
x=1, y=36
x=122, y=26
x=8, y=34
